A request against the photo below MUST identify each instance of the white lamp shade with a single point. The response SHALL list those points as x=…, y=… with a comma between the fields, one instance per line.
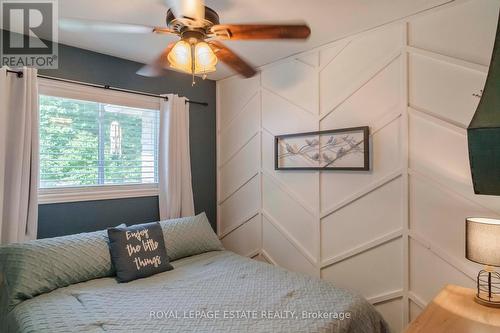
x=482, y=240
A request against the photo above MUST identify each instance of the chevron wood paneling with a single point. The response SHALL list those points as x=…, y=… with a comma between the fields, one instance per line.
x=260, y=257
x=240, y=130
x=240, y=207
x=372, y=273
x=367, y=224
x=280, y=116
x=289, y=216
x=295, y=81
x=429, y=273
x=381, y=94
x=356, y=64
x=307, y=215
x=454, y=85
x=239, y=162
x=391, y=311
x=246, y=239
x=386, y=159
x=414, y=309
x=466, y=34
x=240, y=169
x=278, y=250
x=448, y=159
x=303, y=185
x=233, y=95
x=437, y=215
x=446, y=66
x=309, y=58
x=395, y=233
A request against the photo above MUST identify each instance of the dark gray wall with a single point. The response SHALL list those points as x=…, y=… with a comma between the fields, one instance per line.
x=74, y=217
x=82, y=65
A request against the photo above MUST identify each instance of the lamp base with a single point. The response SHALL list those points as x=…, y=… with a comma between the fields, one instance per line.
x=486, y=302
x=488, y=288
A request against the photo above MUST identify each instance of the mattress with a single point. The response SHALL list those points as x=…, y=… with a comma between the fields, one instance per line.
x=216, y=291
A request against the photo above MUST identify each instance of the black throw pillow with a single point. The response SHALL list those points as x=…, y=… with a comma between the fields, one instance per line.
x=138, y=251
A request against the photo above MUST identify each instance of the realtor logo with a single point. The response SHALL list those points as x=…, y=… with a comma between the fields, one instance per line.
x=29, y=33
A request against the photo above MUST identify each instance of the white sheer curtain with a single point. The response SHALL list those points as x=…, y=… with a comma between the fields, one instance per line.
x=18, y=156
x=174, y=165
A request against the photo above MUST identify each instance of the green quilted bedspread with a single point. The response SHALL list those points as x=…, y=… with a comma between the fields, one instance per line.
x=211, y=292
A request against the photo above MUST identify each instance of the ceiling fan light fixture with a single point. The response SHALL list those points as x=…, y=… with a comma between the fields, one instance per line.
x=199, y=30
x=180, y=57
x=184, y=54
x=205, y=59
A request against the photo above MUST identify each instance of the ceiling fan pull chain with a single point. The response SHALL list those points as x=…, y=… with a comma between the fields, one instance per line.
x=193, y=63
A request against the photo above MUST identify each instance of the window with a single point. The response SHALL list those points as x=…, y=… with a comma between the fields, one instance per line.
x=89, y=145
x=115, y=138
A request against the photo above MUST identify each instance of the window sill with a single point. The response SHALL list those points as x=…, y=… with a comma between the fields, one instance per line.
x=91, y=193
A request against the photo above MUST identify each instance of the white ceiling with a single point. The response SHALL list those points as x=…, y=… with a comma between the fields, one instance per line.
x=329, y=20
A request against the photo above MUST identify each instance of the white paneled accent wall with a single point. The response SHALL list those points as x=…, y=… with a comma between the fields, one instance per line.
x=449, y=52
x=396, y=233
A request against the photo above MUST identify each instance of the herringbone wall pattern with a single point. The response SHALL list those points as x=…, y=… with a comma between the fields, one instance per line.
x=395, y=233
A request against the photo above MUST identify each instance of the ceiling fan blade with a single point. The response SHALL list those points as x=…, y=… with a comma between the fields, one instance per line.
x=163, y=30
x=157, y=67
x=80, y=25
x=190, y=9
x=150, y=71
x=232, y=59
x=261, y=31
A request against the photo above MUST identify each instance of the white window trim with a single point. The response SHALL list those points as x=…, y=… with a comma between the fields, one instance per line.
x=91, y=193
x=95, y=94
x=100, y=192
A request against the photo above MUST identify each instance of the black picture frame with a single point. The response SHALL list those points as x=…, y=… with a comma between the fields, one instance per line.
x=366, y=148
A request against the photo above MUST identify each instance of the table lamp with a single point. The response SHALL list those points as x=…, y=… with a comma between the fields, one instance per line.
x=482, y=245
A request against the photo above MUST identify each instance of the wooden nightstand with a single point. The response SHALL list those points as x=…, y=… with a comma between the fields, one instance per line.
x=454, y=311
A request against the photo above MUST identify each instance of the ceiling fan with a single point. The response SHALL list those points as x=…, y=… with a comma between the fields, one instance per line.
x=199, y=48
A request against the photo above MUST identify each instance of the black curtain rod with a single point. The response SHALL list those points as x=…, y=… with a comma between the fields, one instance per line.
x=20, y=74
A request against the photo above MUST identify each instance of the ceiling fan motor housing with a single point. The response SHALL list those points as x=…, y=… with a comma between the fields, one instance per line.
x=188, y=27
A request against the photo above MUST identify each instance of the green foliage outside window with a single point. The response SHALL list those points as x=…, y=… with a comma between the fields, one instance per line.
x=79, y=147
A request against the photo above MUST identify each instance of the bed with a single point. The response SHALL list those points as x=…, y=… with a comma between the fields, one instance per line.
x=209, y=290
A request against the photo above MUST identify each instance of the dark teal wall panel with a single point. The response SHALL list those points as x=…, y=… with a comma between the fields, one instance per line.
x=74, y=217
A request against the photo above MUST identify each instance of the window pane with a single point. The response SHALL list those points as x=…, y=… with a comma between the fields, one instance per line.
x=84, y=143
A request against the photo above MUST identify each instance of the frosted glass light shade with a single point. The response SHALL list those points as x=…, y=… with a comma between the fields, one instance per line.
x=205, y=59
x=482, y=241
x=182, y=56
